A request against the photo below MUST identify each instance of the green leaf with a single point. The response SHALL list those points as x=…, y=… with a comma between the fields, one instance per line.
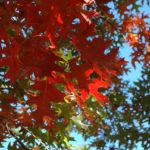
x=11, y=32
x=78, y=121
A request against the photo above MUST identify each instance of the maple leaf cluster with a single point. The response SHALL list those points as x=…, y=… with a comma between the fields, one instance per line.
x=33, y=38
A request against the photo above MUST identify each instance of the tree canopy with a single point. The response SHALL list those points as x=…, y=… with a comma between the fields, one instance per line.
x=60, y=71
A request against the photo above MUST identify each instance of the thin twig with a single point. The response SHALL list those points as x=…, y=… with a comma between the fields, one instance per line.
x=13, y=135
x=37, y=138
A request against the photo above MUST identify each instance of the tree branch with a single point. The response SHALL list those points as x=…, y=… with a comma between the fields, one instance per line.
x=13, y=135
x=36, y=138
